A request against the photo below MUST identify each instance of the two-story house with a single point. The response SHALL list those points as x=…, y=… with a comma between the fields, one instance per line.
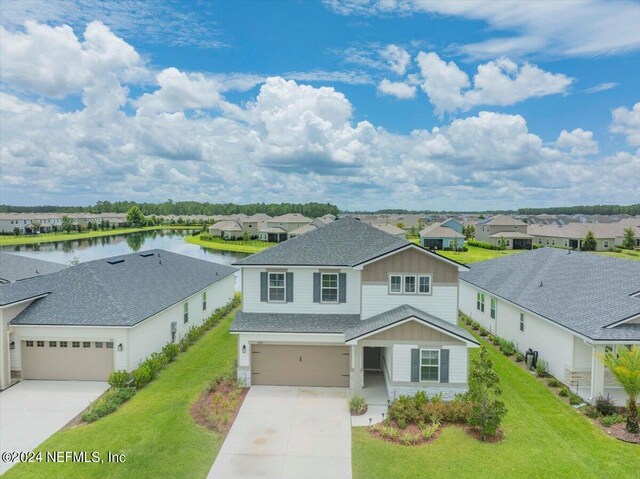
x=340, y=304
x=502, y=227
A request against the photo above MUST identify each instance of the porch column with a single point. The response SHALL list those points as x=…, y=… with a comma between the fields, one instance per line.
x=357, y=369
x=5, y=370
x=597, y=371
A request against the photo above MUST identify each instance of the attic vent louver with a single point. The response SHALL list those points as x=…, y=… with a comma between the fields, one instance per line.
x=116, y=261
x=146, y=255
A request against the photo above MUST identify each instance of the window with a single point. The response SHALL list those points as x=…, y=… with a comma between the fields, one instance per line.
x=63, y=344
x=75, y=344
x=522, y=322
x=86, y=344
x=424, y=284
x=52, y=344
x=109, y=345
x=185, y=313
x=429, y=365
x=29, y=344
x=494, y=308
x=329, y=288
x=99, y=345
x=276, y=287
x=395, y=284
x=606, y=244
x=40, y=344
x=480, y=302
x=204, y=301
x=409, y=284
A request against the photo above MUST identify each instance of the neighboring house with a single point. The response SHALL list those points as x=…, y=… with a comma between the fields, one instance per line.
x=569, y=306
x=14, y=267
x=572, y=235
x=229, y=229
x=314, y=225
x=454, y=224
x=390, y=229
x=288, y=222
x=349, y=305
x=438, y=236
x=85, y=321
x=273, y=234
x=253, y=223
x=493, y=230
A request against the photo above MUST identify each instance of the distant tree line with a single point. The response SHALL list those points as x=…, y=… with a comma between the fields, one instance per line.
x=584, y=210
x=183, y=208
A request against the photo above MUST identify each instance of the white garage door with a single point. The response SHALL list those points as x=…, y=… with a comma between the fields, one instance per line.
x=70, y=360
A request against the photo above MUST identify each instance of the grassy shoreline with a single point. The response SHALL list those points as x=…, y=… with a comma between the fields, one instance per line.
x=53, y=237
x=237, y=246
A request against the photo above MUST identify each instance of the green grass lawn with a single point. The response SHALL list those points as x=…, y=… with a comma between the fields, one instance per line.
x=51, y=237
x=240, y=246
x=624, y=254
x=154, y=429
x=544, y=438
x=478, y=254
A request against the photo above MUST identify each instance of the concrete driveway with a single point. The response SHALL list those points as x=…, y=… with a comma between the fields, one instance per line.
x=31, y=411
x=288, y=432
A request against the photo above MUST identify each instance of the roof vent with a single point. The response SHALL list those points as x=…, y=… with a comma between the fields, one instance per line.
x=541, y=284
x=147, y=254
x=116, y=261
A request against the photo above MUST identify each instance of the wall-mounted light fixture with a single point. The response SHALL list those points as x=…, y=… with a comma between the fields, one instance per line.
x=244, y=348
x=120, y=347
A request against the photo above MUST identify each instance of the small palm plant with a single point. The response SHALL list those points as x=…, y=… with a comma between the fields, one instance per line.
x=625, y=366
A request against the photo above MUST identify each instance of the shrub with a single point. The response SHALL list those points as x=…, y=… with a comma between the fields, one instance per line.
x=554, y=383
x=402, y=424
x=608, y=421
x=119, y=379
x=542, y=368
x=482, y=244
x=142, y=375
x=508, y=348
x=574, y=399
x=409, y=439
x=107, y=403
x=457, y=410
x=427, y=432
x=389, y=432
x=591, y=411
x=434, y=411
x=605, y=405
x=357, y=405
x=420, y=398
x=564, y=391
x=519, y=357
x=170, y=351
x=404, y=408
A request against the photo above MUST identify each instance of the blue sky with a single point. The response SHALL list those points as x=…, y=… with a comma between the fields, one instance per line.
x=365, y=104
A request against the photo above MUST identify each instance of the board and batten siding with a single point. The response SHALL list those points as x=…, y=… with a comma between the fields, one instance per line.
x=302, y=292
x=441, y=303
x=154, y=333
x=401, y=363
x=411, y=261
x=553, y=343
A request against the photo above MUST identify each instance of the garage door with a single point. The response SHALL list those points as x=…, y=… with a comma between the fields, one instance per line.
x=288, y=365
x=73, y=360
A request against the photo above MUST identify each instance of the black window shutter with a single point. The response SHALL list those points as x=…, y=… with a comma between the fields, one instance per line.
x=444, y=365
x=264, y=278
x=316, y=287
x=289, y=286
x=342, y=288
x=415, y=365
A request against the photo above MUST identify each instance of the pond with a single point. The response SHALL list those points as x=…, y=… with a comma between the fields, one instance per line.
x=106, y=246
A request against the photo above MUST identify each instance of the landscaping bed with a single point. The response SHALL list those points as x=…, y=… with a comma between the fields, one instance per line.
x=218, y=405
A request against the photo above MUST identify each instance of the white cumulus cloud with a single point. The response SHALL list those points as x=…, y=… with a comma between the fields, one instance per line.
x=579, y=142
x=627, y=122
x=400, y=90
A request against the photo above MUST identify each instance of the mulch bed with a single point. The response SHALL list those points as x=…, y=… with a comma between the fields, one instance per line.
x=618, y=431
x=411, y=429
x=204, y=408
x=361, y=413
x=473, y=432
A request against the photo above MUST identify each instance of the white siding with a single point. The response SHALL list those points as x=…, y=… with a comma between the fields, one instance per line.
x=302, y=294
x=442, y=303
x=458, y=361
x=554, y=344
x=153, y=333
x=402, y=362
x=582, y=355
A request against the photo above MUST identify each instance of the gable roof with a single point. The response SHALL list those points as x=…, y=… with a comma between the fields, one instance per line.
x=293, y=323
x=389, y=228
x=438, y=231
x=14, y=267
x=344, y=242
x=578, y=230
x=290, y=218
x=399, y=314
x=502, y=220
x=581, y=291
x=119, y=291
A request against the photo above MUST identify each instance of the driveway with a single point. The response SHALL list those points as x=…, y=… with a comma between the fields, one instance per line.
x=288, y=432
x=31, y=411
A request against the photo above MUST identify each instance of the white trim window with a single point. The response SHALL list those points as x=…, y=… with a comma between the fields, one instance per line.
x=480, y=302
x=329, y=288
x=424, y=284
x=409, y=284
x=429, y=365
x=395, y=284
x=277, y=287
x=185, y=313
x=606, y=244
x=522, y=322
x=494, y=308
x=204, y=301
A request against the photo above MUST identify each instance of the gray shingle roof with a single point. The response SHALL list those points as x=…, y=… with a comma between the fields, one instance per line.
x=98, y=293
x=401, y=313
x=14, y=267
x=583, y=292
x=345, y=242
x=293, y=323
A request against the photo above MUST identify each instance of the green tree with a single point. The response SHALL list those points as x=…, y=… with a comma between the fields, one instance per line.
x=421, y=224
x=589, y=242
x=629, y=240
x=135, y=217
x=67, y=224
x=35, y=227
x=625, y=366
x=469, y=231
x=400, y=225
x=487, y=411
x=502, y=244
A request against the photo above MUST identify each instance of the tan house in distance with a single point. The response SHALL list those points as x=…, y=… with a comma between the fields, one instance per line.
x=514, y=232
x=573, y=234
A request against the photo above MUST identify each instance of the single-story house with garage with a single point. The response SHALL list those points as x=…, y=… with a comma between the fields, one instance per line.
x=348, y=305
x=84, y=321
x=500, y=228
x=14, y=267
x=568, y=306
x=230, y=229
x=437, y=236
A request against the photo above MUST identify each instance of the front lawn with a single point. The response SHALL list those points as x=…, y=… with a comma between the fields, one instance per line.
x=624, y=254
x=155, y=429
x=475, y=254
x=544, y=438
x=240, y=246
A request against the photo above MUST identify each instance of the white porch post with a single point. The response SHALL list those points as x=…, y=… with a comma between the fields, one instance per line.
x=597, y=371
x=5, y=370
